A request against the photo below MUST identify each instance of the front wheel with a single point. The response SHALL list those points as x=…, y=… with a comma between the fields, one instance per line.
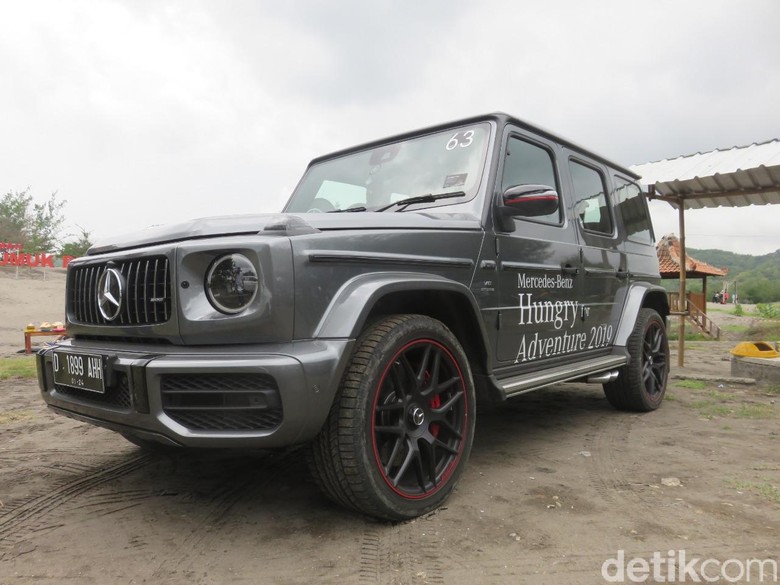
x=402, y=424
x=641, y=384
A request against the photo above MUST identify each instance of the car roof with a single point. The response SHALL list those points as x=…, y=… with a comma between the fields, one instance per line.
x=500, y=118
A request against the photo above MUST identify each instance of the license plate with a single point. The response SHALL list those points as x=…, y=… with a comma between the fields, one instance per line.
x=79, y=370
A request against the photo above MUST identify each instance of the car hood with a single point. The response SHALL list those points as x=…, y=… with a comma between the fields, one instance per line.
x=289, y=224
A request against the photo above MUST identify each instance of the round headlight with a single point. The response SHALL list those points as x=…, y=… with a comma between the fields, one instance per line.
x=231, y=283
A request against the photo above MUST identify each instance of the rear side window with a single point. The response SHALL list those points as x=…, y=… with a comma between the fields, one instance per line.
x=530, y=164
x=632, y=208
x=590, y=198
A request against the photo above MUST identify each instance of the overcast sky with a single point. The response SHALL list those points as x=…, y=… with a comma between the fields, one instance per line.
x=142, y=112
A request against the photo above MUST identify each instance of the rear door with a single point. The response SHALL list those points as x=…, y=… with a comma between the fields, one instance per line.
x=604, y=269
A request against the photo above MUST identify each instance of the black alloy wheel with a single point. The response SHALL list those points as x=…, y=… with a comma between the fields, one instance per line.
x=641, y=383
x=420, y=418
x=402, y=423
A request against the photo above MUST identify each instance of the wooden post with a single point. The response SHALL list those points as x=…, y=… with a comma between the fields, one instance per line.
x=683, y=299
x=704, y=292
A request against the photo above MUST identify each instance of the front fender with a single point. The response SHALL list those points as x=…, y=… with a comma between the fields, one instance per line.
x=347, y=313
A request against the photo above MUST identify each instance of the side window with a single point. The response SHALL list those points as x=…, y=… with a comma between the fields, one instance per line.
x=631, y=206
x=590, y=199
x=529, y=164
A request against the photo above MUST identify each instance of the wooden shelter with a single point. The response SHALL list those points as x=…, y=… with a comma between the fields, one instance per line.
x=734, y=177
x=669, y=262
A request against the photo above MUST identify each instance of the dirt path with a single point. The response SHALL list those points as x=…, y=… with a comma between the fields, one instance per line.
x=558, y=482
x=29, y=296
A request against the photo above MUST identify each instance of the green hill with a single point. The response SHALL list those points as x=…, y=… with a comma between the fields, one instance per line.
x=757, y=278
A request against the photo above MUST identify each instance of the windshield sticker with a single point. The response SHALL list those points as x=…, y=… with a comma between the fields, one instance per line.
x=455, y=180
x=460, y=140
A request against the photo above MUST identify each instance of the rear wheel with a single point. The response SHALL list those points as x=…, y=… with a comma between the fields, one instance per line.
x=401, y=427
x=641, y=384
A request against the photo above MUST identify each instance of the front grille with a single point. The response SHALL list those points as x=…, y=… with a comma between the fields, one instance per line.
x=146, y=297
x=222, y=402
x=117, y=395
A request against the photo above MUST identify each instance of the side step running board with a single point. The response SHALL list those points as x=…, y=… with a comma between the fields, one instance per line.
x=598, y=370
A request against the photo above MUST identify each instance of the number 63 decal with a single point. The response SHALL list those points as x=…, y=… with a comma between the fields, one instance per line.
x=460, y=139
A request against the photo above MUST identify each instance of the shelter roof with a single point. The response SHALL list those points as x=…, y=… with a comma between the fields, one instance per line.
x=734, y=177
x=668, y=249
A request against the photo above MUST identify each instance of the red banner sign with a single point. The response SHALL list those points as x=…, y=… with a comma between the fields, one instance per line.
x=38, y=260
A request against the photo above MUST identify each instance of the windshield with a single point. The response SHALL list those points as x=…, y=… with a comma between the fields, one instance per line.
x=448, y=161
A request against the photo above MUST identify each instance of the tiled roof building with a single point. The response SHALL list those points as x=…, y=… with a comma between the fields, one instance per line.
x=668, y=249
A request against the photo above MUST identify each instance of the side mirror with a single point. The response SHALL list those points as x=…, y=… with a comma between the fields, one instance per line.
x=530, y=200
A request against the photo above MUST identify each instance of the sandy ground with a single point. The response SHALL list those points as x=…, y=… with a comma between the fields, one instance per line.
x=28, y=296
x=557, y=484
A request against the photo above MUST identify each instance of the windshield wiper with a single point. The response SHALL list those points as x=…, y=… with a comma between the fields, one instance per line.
x=348, y=210
x=429, y=198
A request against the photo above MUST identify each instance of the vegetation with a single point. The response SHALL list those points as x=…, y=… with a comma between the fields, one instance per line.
x=17, y=367
x=673, y=335
x=756, y=279
x=77, y=247
x=764, y=331
x=34, y=225
x=692, y=384
x=764, y=489
x=768, y=311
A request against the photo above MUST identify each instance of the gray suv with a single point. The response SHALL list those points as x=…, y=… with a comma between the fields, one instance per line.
x=406, y=281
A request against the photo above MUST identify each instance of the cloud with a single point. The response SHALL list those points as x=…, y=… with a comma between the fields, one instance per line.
x=147, y=111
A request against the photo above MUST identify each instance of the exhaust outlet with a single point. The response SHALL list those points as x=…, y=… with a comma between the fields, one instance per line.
x=603, y=378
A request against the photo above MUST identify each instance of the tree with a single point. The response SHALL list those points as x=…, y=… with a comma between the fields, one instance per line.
x=34, y=225
x=77, y=247
x=13, y=216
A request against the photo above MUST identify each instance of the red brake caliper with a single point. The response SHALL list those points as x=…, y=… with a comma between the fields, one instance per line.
x=435, y=403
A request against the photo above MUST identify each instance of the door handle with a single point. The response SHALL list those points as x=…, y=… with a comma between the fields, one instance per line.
x=622, y=274
x=569, y=269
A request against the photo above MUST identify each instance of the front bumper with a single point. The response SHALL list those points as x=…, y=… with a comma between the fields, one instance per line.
x=260, y=396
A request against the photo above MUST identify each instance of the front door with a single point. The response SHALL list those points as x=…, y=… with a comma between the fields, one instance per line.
x=538, y=265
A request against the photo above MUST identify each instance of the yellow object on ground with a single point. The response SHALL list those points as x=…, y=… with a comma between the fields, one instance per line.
x=755, y=349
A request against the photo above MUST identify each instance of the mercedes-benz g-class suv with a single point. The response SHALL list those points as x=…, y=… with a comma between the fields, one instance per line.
x=405, y=281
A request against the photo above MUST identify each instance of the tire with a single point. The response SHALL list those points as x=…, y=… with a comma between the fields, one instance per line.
x=641, y=384
x=401, y=427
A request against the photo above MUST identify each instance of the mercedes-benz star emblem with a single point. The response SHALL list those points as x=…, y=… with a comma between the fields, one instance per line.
x=110, y=289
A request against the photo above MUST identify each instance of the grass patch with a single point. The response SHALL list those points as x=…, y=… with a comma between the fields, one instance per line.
x=764, y=489
x=17, y=367
x=711, y=409
x=735, y=328
x=768, y=311
x=692, y=384
x=774, y=389
x=764, y=331
x=755, y=411
x=718, y=395
x=15, y=416
x=673, y=335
